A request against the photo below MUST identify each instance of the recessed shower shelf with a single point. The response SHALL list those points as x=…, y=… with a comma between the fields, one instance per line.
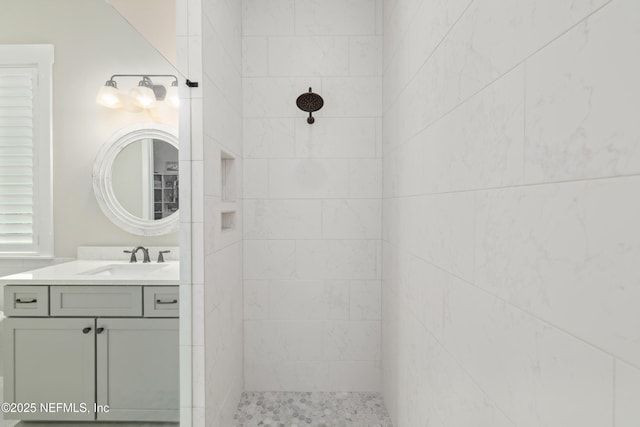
x=228, y=177
x=227, y=221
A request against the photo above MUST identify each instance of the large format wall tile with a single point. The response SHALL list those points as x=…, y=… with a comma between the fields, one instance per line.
x=489, y=39
x=352, y=96
x=339, y=17
x=254, y=56
x=256, y=179
x=269, y=259
x=440, y=229
x=364, y=299
x=489, y=338
x=308, y=56
x=308, y=300
x=354, y=340
x=298, y=375
x=407, y=50
x=272, y=17
x=308, y=178
x=282, y=219
x=365, y=56
x=582, y=94
x=434, y=388
x=627, y=410
x=567, y=253
x=365, y=178
x=268, y=138
x=336, y=138
x=351, y=219
x=336, y=259
x=480, y=144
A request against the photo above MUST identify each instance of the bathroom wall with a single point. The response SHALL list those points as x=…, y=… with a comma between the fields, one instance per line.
x=91, y=42
x=212, y=43
x=312, y=194
x=511, y=162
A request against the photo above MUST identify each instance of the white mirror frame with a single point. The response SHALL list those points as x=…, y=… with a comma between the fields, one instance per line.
x=102, y=180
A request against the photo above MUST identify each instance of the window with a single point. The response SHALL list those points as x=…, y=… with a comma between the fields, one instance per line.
x=26, y=208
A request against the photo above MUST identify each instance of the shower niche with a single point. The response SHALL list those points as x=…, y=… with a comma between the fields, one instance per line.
x=228, y=191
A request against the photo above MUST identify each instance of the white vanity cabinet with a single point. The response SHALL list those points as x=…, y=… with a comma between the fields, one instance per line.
x=92, y=347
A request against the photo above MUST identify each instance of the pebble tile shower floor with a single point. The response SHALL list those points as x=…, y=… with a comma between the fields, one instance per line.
x=304, y=409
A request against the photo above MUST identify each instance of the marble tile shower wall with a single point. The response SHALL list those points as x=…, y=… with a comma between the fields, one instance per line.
x=312, y=195
x=214, y=52
x=510, y=245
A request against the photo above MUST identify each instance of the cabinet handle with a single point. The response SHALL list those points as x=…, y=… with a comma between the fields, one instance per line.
x=99, y=330
x=29, y=301
x=173, y=301
x=86, y=330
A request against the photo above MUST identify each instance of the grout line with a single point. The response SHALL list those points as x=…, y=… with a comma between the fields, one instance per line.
x=613, y=407
x=433, y=51
x=295, y=18
x=268, y=64
x=524, y=124
x=518, y=186
x=349, y=56
x=516, y=307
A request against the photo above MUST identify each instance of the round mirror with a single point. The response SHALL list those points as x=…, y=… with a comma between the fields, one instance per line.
x=136, y=182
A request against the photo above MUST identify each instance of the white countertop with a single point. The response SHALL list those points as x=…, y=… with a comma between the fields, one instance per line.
x=78, y=273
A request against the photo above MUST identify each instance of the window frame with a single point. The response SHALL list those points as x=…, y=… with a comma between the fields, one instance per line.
x=40, y=57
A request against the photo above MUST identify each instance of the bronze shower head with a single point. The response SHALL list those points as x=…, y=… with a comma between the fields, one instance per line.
x=310, y=102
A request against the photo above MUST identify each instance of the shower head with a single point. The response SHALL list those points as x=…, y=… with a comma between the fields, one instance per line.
x=310, y=102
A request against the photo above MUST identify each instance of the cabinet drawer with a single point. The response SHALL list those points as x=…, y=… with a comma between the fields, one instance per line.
x=161, y=301
x=96, y=301
x=31, y=301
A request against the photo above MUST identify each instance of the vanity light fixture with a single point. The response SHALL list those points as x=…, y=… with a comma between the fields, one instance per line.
x=109, y=95
x=145, y=95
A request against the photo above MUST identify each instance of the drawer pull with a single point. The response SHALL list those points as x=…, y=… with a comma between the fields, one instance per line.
x=173, y=301
x=26, y=301
x=99, y=330
x=86, y=330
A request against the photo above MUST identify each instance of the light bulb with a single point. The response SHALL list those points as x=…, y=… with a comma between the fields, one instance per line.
x=173, y=97
x=109, y=96
x=143, y=95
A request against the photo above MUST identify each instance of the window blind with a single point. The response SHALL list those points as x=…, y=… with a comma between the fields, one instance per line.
x=18, y=87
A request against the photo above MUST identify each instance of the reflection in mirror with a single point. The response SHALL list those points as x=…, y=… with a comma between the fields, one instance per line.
x=145, y=178
x=135, y=179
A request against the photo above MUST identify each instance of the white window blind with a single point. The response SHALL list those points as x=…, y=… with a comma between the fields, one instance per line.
x=25, y=150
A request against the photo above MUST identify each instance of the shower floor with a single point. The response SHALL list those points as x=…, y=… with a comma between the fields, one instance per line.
x=304, y=409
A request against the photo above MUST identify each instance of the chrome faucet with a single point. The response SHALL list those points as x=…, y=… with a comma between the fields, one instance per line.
x=134, y=251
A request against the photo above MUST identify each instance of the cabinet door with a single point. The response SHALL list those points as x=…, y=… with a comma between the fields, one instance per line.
x=50, y=361
x=137, y=374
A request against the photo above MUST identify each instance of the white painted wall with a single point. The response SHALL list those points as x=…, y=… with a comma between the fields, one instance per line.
x=511, y=162
x=155, y=20
x=312, y=209
x=91, y=42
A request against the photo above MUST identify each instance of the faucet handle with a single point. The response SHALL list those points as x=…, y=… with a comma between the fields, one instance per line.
x=161, y=256
x=133, y=256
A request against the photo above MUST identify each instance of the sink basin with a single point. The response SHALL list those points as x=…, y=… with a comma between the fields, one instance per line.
x=124, y=270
